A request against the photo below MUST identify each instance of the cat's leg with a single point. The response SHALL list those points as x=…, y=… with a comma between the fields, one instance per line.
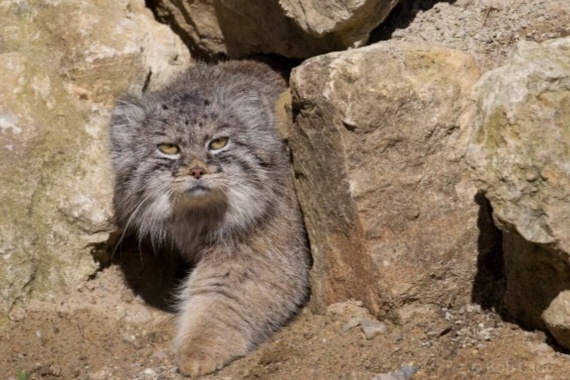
x=233, y=302
x=215, y=324
x=204, y=343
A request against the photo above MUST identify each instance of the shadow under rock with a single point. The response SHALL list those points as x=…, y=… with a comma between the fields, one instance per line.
x=401, y=17
x=154, y=275
x=534, y=268
x=490, y=281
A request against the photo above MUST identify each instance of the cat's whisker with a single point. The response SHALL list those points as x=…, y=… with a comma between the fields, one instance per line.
x=136, y=211
x=127, y=225
x=153, y=224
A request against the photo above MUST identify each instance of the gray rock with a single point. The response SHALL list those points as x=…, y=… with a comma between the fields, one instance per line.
x=404, y=373
x=377, y=144
x=521, y=159
x=352, y=323
x=372, y=328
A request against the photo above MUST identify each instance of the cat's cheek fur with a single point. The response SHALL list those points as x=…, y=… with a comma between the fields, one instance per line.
x=154, y=217
x=245, y=206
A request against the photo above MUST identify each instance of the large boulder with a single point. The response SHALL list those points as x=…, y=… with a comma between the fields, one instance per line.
x=291, y=28
x=521, y=156
x=61, y=65
x=377, y=143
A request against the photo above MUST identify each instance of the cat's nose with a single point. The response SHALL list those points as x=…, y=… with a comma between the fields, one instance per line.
x=197, y=172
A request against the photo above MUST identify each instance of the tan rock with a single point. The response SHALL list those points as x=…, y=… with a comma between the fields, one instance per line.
x=557, y=318
x=62, y=64
x=291, y=28
x=377, y=144
x=196, y=22
x=521, y=155
x=352, y=21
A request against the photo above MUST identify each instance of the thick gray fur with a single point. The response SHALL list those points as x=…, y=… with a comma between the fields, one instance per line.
x=237, y=220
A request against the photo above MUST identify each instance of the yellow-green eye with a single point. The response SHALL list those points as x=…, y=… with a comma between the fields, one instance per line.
x=218, y=143
x=170, y=149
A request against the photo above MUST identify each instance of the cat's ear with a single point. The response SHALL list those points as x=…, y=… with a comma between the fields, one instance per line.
x=126, y=120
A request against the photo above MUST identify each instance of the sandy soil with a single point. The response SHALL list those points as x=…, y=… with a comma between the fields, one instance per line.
x=102, y=331
x=119, y=325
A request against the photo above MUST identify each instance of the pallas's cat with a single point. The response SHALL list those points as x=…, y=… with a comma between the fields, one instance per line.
x=199, y=166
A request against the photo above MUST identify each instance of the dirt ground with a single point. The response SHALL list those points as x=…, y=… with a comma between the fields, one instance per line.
x=118, y=327
x=102, y=331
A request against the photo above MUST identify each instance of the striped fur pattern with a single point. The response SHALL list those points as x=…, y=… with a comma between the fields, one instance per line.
x=199, y=166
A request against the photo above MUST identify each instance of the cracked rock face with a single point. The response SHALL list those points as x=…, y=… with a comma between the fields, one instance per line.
x=377, y=144
x=62, y=64
x=521, y=156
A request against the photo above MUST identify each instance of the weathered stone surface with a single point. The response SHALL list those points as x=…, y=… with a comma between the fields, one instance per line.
x=377, y=143
x=61, y=64
x=195, y=21
x=292, y=28
x=351, y=20
x=557, y=318
x=521, y=157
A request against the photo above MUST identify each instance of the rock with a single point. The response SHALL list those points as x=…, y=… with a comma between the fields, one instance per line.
x=404, y=373
x=557, y=318
x=104, y=374
x=351, y=22
x=414, y=313
x=62, y=63
x=350, y=307
x=520, y=155
x=371, y=328
x=196, y=22
x=291, y=28
x=524, y=108
x=149, y=373
x=377, y=146
x=352, y=323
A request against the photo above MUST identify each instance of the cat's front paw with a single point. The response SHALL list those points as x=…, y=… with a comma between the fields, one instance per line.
x=195, y=363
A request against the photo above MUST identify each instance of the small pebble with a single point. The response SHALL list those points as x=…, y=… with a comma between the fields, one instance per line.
x=103, y=374
x=352, y=322
x=404, y=373
x=160, y=355
x=372, y=328
x=149, y=373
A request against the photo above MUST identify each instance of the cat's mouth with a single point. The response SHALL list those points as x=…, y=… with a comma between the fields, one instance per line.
x=199, y=196
x=197, y=190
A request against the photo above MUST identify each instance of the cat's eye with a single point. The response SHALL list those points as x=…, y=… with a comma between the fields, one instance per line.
x=218, y=143
x=170, y=149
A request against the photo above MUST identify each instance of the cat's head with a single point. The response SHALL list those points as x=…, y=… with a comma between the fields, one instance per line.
x=203, y=148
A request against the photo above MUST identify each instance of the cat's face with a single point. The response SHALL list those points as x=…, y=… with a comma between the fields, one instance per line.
x=194, y=152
